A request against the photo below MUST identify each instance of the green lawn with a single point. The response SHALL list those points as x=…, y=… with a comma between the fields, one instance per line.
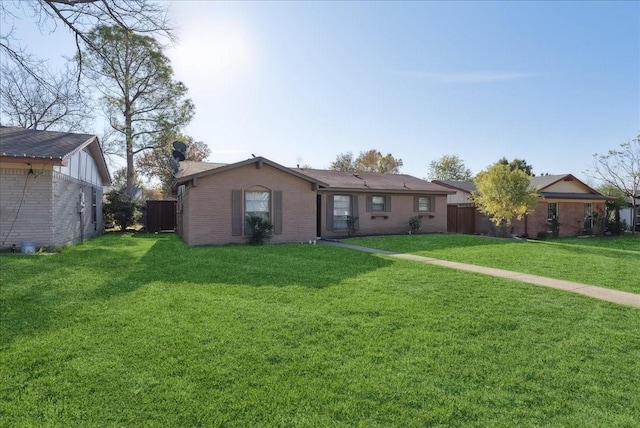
x=605, y=262
x=142, y=331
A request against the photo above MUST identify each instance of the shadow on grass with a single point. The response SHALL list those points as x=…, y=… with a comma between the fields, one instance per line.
x=43, y=294
x=279, y=265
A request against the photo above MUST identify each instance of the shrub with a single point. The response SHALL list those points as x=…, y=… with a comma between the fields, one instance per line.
x=121, y=209
x=415, y=223
x=260, y=230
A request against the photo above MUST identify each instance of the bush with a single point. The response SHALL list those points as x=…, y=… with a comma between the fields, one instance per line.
x=260, y=230
x=121, y=209
x=415, y=224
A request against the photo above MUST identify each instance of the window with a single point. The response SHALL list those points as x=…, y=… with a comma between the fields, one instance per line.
x=423, y=204
x=256, y=203
x=552, y=217
x=94, y=206
x=341, y=211
x=262, y=203
x=377, y=203
x=588, y=217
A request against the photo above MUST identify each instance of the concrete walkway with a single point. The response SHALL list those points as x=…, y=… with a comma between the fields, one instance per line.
x=608, y=294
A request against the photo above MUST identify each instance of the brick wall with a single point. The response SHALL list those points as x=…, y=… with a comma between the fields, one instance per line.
x=570, y=216
x=396, y=221
x=25, y=208
x=206, y=217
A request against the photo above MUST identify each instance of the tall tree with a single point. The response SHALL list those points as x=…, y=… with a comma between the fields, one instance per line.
x=520, y=164
x=145, y=17
x=140, y=98
x=369, y=161
x=155, y=163
x=374, y=161
x=60, y=104
x=504, y=194
x=343, y=162
x=620, y=168
x=448, y=167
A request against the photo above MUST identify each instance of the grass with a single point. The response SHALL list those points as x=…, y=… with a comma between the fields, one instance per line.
x=140, y=330
x=606, y=262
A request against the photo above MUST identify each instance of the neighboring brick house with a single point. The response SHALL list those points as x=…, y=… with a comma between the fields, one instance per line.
x=565, y=198
x=45, y=178
x=302, y=204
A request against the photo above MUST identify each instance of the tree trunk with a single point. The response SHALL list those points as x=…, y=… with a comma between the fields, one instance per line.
x=129, y=149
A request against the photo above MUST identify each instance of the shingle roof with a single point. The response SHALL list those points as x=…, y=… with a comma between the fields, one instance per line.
x=466, y=186
x=363, y=181
x=29, y=143
x=192, y=170
x=53, y=146
x=540, y=183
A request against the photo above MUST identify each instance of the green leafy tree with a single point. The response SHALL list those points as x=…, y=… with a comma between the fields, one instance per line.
x=343, y=162
x=155, y=163
x=121, y=209
x=448, y=167
x=140, y=98
x=374, y=161
x=503, y=194
x=520, y=164
x=369, y=161
x=620, y=168
x=614, y=206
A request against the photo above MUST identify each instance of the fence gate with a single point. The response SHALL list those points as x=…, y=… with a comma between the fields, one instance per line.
x=461, y=219
x=161, y=215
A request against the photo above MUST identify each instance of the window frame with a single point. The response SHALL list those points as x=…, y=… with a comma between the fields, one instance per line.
x=338, y=217
x=417, y=206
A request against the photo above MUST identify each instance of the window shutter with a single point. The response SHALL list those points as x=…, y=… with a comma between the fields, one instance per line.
x=277, y=212
x=432, y=203
x=387, y=203
x=236, y=212
x=416, y=203
x=369, y=203
x=329, y=224
x=354, y=209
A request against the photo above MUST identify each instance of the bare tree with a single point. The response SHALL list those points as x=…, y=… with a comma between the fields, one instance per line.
x=621, y=169
x=80, y=17
x=155, y=163
x=27, y=102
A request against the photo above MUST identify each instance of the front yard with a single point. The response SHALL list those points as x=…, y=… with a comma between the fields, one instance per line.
x=605, y=262
x=141, y=330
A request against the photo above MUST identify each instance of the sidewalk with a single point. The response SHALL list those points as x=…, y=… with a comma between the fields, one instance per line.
x=608, y=294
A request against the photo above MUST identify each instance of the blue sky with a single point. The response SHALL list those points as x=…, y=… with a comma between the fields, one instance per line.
x=300, y=82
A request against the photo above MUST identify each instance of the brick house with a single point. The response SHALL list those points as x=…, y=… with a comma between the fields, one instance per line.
x=572, y=203
x=302, y=204
x=51, y=187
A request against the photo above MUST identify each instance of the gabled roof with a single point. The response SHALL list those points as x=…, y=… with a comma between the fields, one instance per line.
x=544, y=181
x=53, y=146
x=191, y=170
x=541, y=183
x=371, y=181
